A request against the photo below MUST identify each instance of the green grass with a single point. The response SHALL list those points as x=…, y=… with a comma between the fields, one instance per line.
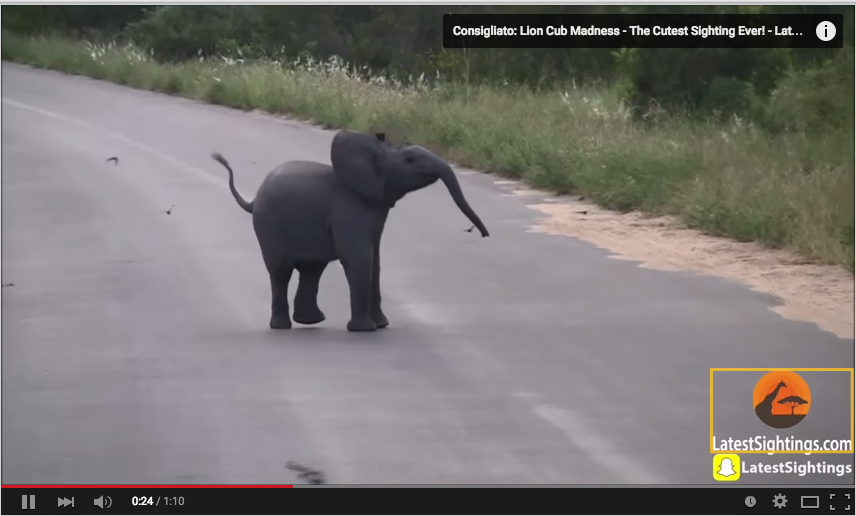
x=794, y=190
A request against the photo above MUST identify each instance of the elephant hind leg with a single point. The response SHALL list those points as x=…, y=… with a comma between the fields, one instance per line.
x=378, y=316
x=306, y=309
x=279, y=279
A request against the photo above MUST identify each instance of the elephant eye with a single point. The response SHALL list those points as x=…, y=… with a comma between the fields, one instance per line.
x=410, y=160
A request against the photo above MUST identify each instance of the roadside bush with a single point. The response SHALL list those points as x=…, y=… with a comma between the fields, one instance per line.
x=176, y=33
x=719, y=81
x=815, y=100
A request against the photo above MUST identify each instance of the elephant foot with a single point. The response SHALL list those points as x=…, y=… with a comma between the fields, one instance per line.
x=313, y=316
x=361, y=325
x=380, y=319
x=280, y=322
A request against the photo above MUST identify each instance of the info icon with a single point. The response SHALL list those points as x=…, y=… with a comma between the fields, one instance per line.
x=825, y=31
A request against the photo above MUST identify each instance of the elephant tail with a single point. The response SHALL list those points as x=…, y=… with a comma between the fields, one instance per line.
x=243, y=203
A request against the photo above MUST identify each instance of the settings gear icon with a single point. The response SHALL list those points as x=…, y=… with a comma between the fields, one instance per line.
x=779, y=501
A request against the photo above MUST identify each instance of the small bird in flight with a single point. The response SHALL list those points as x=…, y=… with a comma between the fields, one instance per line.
x=470, y=230
x=8, y=285
x=310, y=475
x=114, y=159
x=169, y=211
x=584, y=212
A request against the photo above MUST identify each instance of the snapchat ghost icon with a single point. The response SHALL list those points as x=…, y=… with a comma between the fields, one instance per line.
x=726, y=467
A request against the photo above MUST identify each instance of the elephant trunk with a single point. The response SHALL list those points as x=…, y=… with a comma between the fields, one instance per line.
x=451, y=181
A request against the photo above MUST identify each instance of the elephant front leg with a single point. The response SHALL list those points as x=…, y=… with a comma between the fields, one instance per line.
x=378, y=316
x=358, y=271
x=279, y=319
x=306, y=309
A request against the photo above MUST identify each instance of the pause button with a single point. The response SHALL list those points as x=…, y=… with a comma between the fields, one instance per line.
x=32, y=502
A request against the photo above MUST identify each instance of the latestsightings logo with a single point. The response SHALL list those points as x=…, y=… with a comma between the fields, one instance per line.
x=726, y=467
x=782, y=399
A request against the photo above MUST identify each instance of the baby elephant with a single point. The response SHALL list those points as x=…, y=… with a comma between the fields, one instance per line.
x=308, y=214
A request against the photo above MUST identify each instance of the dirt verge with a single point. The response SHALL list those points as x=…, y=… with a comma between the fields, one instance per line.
x=821, y=294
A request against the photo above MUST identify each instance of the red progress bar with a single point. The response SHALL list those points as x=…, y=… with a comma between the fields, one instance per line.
x=150, y=486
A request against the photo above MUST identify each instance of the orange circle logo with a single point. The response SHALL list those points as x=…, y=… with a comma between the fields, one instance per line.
x=782, y=399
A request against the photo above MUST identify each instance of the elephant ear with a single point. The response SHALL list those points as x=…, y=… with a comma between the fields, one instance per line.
x=356, y=159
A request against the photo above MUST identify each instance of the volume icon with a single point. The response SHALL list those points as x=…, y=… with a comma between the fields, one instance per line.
x=103, y=502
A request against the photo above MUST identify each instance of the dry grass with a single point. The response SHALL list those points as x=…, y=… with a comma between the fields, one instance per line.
x=793, y=191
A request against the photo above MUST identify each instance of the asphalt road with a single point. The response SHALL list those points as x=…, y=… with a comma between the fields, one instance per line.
x=136, y=348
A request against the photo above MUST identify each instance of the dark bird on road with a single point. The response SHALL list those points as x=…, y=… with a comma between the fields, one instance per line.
x=310, y=475
x=169, y=211
x=114, y=159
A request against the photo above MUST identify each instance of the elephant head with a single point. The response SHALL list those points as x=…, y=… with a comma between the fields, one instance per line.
x=382, y=173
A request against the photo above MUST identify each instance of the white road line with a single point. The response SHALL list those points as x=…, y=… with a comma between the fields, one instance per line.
x=584, y=436
x=181, y=165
